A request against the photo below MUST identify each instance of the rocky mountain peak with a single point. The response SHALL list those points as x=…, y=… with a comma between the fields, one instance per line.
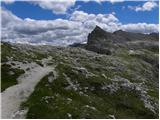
x=119, y=32
x=97, y=28
x=96, y=39
x=104, y=42
x=98, y=31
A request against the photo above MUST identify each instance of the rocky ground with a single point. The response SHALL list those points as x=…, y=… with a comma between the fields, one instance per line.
x=72, y=82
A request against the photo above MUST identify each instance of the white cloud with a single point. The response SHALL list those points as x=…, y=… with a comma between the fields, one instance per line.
x=100, y=1
x=91, y=20
x=8, y=18
x=61, y=31
x=141, y=27
x=8, y=1
x=55, y=32
x=81, y=16
x=147, y=6
x=57, y=6
x=40, y=26
x=115, y=1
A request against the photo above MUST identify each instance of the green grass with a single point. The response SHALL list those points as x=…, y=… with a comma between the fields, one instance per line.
x=18, y=55
x=154, y=49
x=122, y=104
x=7, y=79
x=6, y=50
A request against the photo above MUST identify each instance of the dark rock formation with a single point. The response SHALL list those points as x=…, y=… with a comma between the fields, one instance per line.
x=77, y=45
x=104, y=42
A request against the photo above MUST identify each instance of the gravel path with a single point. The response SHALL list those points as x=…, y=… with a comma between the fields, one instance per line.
x=15, y=95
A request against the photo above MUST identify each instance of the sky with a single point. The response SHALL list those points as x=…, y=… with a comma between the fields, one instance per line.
x=64, y=22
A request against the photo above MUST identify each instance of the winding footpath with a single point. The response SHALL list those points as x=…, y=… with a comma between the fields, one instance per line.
x=15, y=95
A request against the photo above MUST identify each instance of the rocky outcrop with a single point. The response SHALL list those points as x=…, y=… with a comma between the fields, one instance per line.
x=99, y=41
x=104, y=42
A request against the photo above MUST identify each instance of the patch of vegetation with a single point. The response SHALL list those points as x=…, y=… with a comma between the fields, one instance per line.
x=16, y=54
x=58, y=100
x=9, y=76
x=39, y=63
x=77, y=91
x=40, y=56
x=154, y=49
x=6, y=50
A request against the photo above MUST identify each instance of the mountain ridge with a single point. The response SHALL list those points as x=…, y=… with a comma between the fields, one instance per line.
x=105, y=42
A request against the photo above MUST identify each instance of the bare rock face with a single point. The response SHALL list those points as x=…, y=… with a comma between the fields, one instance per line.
x=99, y=41
x=104, y=42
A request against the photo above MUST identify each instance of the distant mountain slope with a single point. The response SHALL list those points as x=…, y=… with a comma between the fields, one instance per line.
x=104, y=42
x=79, y=83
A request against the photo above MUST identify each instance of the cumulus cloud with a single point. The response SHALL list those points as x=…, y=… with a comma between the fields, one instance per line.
x=110, y=23
x=100, y=1
x=115, y=1
x=40, y=26
x=57, y=6
x=141, y=27
x=82, y=16
x=91, y=20
x=8, y=17
x=28, y=30
x=8, y=1
x=147, y=6
x=62, y=31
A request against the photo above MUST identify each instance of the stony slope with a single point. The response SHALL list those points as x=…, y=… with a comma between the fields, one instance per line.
x=104, y=42
x=85, y=84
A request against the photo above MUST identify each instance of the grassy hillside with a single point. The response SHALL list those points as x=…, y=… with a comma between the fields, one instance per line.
x=85, y=84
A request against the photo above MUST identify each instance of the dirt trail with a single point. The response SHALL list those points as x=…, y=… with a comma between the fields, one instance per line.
x=15, y=95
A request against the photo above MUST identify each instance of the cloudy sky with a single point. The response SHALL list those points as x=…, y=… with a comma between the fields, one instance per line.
x=63, y=22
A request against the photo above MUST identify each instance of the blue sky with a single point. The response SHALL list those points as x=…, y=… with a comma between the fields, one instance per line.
x=63, y=22
x=27, y=10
